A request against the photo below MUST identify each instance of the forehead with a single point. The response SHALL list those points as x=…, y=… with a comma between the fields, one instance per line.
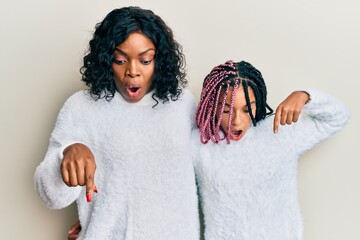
x=136, y=42
x=240, y=99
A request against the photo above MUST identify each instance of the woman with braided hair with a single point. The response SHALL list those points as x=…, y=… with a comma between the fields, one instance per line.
x=218, y=82
x=246, y=170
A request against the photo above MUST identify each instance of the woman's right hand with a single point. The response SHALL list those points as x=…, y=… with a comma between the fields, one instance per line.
x=78, y=168
x=289, y=110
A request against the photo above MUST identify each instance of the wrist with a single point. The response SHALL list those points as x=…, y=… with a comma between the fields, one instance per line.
x=308, y=97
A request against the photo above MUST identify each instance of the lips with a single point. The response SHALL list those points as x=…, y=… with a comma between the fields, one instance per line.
x=133, y=91
x=236, y=134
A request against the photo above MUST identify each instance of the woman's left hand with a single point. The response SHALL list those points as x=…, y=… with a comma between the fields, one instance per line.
x=74, y=231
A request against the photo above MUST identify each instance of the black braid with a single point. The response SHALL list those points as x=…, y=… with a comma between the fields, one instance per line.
x=257, y=84
x=246, y=90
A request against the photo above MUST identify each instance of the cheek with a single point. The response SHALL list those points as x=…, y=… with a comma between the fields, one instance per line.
x=224, y=122
x=254, y=111
x=118, y=72
x=149, y=79
x=115, y=72
x=247, y=123
x=150, y=74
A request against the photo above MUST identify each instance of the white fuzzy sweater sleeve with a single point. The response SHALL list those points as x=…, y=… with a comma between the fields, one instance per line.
x=321, y=118
x=48, y=180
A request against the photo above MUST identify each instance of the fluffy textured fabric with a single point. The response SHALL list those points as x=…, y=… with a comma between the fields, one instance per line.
x=248, y=188
x=145, y=177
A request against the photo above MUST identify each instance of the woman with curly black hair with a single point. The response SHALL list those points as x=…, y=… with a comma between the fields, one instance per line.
x=132, y=128
x=169, y=74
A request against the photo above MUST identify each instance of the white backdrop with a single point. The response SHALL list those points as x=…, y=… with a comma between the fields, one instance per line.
x=295, y=44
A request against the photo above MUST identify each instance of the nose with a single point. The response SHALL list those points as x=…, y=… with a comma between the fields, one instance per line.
x=132, y=69
x=236, y=118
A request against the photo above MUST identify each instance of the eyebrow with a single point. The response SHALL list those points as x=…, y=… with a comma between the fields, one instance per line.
x=228, y=105
x=140, y=54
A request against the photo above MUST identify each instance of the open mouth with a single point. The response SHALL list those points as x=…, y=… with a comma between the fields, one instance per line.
x=133, y=92
x=134, y=89
x=236, y=134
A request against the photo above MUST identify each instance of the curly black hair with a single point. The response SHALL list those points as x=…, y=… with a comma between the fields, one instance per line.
x=169, y=76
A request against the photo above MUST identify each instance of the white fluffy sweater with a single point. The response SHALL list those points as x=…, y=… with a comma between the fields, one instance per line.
x=145, y=178
x=249, y=188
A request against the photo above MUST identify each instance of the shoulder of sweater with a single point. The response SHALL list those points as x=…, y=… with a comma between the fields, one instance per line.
x=186, y=95
x=187, y=92
x=195, y=136
x=78, y=102
x=79, y=96
x=317, y=96
x=83, y=98
x=186, y=101
x=322, y=99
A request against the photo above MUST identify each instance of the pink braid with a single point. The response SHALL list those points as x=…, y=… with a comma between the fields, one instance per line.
x=206, y=110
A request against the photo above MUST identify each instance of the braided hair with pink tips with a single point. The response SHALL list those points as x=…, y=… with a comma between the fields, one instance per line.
x=220, y=80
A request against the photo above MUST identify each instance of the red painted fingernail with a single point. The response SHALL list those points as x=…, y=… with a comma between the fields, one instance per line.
x=88, y=197
x=95, y=190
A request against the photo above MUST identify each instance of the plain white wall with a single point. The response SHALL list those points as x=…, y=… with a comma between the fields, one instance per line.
x=296, y=44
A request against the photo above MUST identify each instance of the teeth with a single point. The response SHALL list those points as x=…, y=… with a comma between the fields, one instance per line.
x=236, y=132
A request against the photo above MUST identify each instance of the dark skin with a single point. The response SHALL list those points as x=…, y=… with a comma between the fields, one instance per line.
x=74, y=231
x=78, y=168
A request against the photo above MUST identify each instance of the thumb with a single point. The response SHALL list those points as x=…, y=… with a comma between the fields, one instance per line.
x=74, y=227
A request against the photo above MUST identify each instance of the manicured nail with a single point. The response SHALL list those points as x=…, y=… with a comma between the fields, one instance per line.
x=88, y=197
x=95, y=190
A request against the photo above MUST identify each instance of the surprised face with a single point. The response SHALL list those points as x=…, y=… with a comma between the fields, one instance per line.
x=134, y=66
x=241, y=119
